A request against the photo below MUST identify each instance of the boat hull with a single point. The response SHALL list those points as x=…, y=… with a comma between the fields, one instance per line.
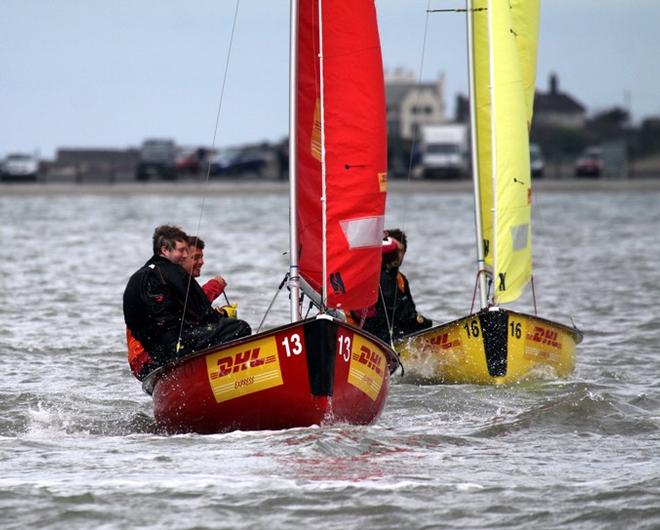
x=492, y=347
x=313, y=372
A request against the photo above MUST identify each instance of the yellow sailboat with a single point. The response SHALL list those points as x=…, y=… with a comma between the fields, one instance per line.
x=496, y=345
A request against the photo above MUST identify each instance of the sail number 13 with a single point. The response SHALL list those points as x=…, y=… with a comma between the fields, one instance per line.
x=344, y=347
x=292, y=345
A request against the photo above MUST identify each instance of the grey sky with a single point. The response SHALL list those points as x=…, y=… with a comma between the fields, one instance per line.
x=93, y=73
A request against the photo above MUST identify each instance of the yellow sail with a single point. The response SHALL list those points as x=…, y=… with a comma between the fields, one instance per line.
x=503, y=141
x=526, y=16
x=482, y=107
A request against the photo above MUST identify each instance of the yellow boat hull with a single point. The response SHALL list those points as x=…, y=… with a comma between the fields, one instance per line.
x=492, y=347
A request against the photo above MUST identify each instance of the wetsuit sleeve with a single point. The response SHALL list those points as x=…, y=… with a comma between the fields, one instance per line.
x=182, y=286
x=410, y=319
x=162, y=306
x=148, y=306
x=212, y=289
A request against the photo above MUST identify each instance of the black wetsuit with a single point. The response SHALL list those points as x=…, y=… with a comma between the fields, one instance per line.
x=154, y=302
x=398, y=302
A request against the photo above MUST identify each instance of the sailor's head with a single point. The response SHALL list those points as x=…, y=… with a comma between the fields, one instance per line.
x=195, y=256
x=172, y=243
x=394, y=258
x=399, y=235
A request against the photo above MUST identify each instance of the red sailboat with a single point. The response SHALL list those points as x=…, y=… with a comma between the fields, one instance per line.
x=322, y=369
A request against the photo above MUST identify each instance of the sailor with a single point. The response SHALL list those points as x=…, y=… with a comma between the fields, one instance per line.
x=216, y=285
x=394, y=314
x=155, y=300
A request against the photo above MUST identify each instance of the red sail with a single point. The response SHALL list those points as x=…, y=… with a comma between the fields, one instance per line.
x=355, y=138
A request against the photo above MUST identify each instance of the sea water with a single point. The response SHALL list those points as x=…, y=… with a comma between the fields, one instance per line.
x=79, y=449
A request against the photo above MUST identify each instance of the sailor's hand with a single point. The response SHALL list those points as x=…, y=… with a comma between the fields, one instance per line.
x=423, y=322
x=228, y=311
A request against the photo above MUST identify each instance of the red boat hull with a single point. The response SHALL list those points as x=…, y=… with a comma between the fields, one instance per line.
x=313, y=372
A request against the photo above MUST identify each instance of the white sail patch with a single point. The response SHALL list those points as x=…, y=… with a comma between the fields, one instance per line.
x=364, y=232
x=519, y=236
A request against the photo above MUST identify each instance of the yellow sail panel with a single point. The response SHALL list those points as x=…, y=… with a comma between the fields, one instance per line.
x=483, y=129
x=512, y=217
x=525, y=18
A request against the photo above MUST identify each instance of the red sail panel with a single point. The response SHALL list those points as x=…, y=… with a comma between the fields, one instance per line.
x=355, y=150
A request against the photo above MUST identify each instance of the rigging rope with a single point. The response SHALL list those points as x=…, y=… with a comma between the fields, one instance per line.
x=390, y=327
x=415, y=131
x=282, y=283
x=476, y=286
x=208, y=166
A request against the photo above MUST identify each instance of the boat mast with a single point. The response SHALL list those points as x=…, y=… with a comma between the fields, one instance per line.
x=294, y=270
x=483, y=294
x=493, y=141
x=324, y=220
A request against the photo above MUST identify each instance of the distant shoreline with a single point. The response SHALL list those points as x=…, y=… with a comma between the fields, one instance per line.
x=237, y=187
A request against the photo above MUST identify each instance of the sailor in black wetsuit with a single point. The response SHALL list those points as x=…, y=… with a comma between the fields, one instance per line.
x=155, y=298
x=395, y=309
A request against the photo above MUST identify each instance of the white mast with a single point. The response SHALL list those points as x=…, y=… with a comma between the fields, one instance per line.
x=493, y=141
x=483, y=295
x=294, y=271
x=324, y=220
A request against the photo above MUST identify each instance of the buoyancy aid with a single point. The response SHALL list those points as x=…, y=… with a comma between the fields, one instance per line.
x=139, y=359
x=401, y=282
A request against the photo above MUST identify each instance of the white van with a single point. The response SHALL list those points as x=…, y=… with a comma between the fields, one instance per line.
x=444, y=150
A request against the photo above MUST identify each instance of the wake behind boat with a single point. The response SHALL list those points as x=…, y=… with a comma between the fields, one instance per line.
x=319, y=370
x=497, y=345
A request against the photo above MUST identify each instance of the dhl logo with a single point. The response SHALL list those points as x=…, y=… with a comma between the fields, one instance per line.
x=240, y=361
x=544, y=336
x=371, y=360
x=538, y=354
x=444, y=342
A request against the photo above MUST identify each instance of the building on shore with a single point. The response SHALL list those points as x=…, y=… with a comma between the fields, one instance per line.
x=558, y=109
x=89, y=165
x=411, y=104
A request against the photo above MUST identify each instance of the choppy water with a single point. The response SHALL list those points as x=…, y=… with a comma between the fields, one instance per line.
x=77, y=443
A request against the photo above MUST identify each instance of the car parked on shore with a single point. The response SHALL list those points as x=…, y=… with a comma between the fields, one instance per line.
x=157, y=159
x=192, y=161
x=187, y=162
x=19, y=167
x=536, y=160
x=590, y=164
x=249, y=160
